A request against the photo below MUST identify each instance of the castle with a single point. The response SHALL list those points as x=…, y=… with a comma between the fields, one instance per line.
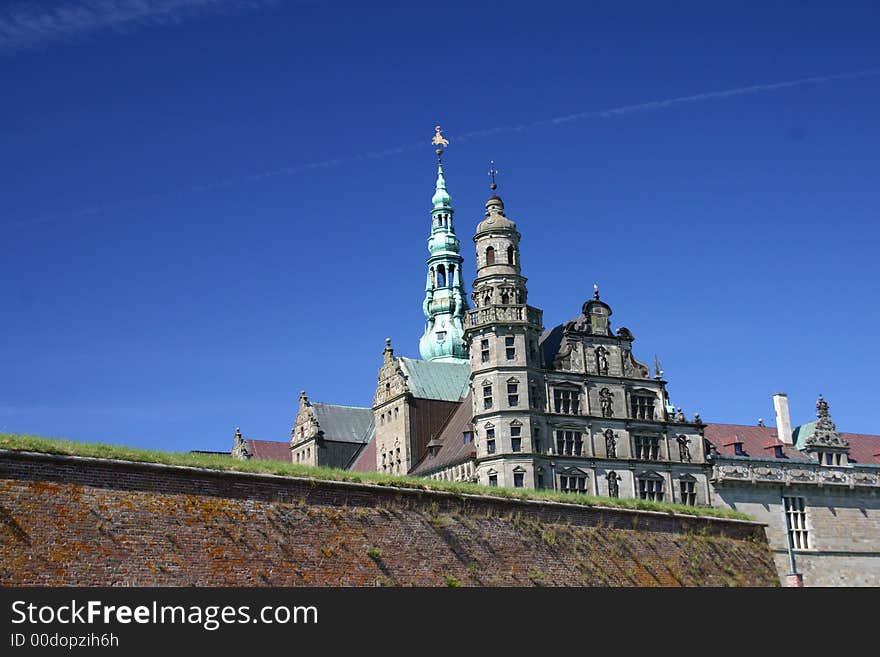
x=497, y=399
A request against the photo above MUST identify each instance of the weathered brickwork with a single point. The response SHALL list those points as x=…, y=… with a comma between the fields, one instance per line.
x=72, y=521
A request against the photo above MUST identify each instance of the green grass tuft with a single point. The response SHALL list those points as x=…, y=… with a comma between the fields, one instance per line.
x=22, y=442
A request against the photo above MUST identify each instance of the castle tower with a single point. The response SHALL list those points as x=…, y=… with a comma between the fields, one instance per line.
x=506, y=381
x=445, y=301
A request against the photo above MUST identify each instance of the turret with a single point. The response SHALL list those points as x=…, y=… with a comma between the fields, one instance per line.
x=445, y=302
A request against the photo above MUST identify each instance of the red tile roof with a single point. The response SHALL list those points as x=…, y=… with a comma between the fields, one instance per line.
x=366, y=460
x=269, y=450
x=759, y=442
x=863, y=447
x=453, y=449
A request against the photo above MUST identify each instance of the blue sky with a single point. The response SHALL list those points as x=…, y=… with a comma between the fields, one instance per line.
x=208, y=206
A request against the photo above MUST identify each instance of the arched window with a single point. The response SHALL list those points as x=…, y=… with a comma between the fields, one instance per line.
x=441, y=276
x=433, y=280
x=510, y=255
x=490, y=256
x=452, y=274
x=505, y=297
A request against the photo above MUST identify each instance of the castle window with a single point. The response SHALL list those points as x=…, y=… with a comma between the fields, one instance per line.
x=536, y=439
x=540, y=480
x=651, y=487
x=493, y=480
x=687, y=487
x=441, y=336
x=518, y=479
x=490, y=256
x=642, y=407
x=484, y=351
x=573, y=483
x=451, y=274
x=566, y=401
x=487, y=397
x=569, y=443
x=510, y=255
x=490, y=441
x=509, y=348
x=796, y=519
x=515, y=439
x=441, y=276
x=647, y=448
x=468, y=437
x=512, y=393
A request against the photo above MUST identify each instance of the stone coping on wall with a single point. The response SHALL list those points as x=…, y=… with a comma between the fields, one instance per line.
x=177, y=479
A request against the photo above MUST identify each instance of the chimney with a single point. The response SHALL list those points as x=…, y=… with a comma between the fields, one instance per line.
x=783, y=419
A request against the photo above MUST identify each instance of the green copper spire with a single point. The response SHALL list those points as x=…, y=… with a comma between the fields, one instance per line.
x=445, y=298
x=441, y=198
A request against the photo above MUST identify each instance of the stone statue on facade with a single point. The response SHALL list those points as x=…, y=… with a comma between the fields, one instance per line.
x=679, y=416
x=613, y=488
x=605, y=397
x=684, y=450
x=610, y=444
x=602, y=360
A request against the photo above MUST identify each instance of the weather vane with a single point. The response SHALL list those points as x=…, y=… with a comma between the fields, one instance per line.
x=492, y=173
x=439, y=141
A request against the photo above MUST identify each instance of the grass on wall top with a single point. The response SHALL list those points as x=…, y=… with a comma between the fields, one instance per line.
x=22, y=442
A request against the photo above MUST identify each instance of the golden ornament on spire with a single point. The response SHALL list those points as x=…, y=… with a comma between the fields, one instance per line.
x=438, y=139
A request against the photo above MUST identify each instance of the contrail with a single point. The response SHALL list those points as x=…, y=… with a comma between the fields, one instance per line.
x=663, y=104
x=467, y=136
x=25, y=25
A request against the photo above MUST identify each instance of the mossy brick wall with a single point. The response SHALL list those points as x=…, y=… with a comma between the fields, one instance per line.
x=77, y=521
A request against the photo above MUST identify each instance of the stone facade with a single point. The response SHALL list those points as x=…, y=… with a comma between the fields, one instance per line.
x=820, y=503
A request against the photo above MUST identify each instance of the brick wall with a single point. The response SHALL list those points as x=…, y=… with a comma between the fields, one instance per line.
x=77, y=521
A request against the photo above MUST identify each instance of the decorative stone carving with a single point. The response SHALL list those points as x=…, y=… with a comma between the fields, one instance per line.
x=602, y=360
x=240, y=449
x=799, y=474
x=613, y=487
x=734, y=471
x=679, y=416
x=764, y=472
x=825, y=433
x=684, y=450
x=833, y=477
x=605, y=402
x=610, y=444
x=633, y=368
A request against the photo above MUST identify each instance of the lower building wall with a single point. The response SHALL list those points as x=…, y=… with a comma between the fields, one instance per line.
x=842, y=530
x=74, y=521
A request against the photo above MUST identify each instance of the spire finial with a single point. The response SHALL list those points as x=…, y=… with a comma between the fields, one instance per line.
x=439, y=141
x=492, y=173
x=658, y=373
x=595, y=290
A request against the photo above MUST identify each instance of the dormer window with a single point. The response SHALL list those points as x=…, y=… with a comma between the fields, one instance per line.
x=738, y=449
x=778, y=452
